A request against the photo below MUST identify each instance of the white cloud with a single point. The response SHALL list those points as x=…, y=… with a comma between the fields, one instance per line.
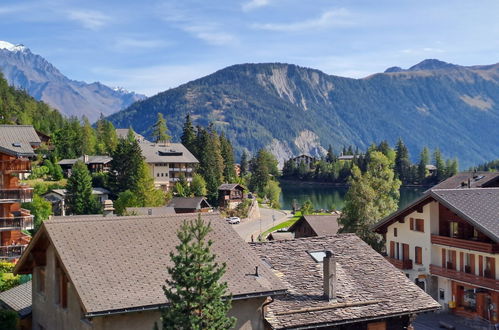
x=210, y=34
x=154, y=79
x=423, y=50
x=138, y=43
x=337, y=17
x=90, y=19
x=253, y=4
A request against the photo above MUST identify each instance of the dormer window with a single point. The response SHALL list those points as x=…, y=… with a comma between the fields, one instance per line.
x=318, y=256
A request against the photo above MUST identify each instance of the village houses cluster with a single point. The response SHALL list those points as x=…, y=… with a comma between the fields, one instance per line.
x=107, y=272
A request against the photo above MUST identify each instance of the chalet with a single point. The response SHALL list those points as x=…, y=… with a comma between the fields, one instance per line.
x=122, y=133
x=447, y=242
x=95, y=164
x=16, y=150
x=168, y=163
x=58, y=198
x=309, y=161
x=230, y=195
x=190, y=205
x=154, y=211
x=339, y=282
x=104, y=273
x=18, y=299
x=315, y=225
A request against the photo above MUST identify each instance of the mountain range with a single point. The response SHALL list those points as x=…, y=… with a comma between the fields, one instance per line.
x=292, y=110
x=44, y=82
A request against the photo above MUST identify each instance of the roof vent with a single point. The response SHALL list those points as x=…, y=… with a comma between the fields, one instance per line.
x=479, y=177
x=16, y=144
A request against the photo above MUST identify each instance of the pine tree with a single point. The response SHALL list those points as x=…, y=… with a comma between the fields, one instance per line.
x=125, y=166
x=160, y=130
x=402, y=162
x=371, y=197
x=227, y=153
x=89, y=140
x=188, y=137
x=198, y=185
x=211, y=163
x=259, y=172
x=79, y=191
x=330, y=157
x=440, y=165
x=196, y=299
x=424, y=159
x=244, y=163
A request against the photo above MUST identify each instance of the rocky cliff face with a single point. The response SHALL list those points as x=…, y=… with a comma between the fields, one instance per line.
x=43, y=81
x=292, y=110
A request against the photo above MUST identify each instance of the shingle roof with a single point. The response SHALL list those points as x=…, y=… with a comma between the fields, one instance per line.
x=229, y=186
x=479, y=206
x=96, y=159
x=368, y=286
x=281, y=235
x=169, y=153
x=118, y=263
x=460, y=180
x=123, y=133
x=18, y=140
x=155, y=211
x=95, y=191
x=322, y=225
x=18, y=299
x=187, y=202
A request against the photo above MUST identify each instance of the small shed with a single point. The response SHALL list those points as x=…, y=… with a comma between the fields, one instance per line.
x=230, y=195
x=315, y=225
x=190, y=204
x=18, y=299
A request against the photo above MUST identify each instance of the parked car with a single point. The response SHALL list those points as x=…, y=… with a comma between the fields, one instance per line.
x=234, y=220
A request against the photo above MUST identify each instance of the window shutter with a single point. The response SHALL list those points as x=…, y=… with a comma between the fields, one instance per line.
x=411, y=223
x=392, y=249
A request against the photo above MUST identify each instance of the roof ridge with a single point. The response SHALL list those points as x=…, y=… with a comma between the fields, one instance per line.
x=466, y=189
x=100, y=217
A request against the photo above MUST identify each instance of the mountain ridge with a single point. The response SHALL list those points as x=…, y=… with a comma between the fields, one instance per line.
x=291, y=109
x=42, y=80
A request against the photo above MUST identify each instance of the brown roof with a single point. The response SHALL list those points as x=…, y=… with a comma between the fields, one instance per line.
x=477, y=180
x=369, y=287
x=18, y=299
x=188, y=203
x=18, y=140
x=155, y=211
x=280, y=235
x=478, y=206
x=322, y=225
x=118, y=263
x=230, y=186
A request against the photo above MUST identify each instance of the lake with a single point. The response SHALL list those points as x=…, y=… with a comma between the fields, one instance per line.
x=327, y=197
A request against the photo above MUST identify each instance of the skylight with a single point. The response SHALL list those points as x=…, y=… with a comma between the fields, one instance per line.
x=317, y=255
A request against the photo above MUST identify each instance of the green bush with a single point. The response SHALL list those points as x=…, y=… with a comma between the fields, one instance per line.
x=8, y=319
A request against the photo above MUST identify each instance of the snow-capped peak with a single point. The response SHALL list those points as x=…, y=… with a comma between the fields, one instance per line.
x=121, y=90
x=12, y=47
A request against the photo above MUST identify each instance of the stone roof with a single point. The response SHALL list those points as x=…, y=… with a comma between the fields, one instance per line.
x=18, y=299
x=477, y=180
x=229, y=186
x=154, y=211
x=322, y=225
x=166, y=153
x=478, y=206
x=96, y=159
x=120, y=263
x=188, y=202
x=18, y=140
x=280, y=235
x=368, y=286
x=95, y=191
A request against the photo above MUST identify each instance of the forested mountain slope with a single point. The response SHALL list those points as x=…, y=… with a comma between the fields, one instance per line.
x=291, y=110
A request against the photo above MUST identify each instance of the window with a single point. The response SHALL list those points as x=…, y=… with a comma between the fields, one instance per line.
x=157, y=174
x=441, y=294
x=490, y=271
x=61, y=288
x=420, y=225
x=392, y=249
x=454, y=229
x=41, y=280
x=317, y=255
x=418, y=255
x=411, y=223
x=395, y=232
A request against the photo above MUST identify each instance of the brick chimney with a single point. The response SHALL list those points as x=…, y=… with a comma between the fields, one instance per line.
x=329, y=263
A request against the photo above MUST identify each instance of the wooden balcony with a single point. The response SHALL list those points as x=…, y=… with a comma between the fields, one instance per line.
x=17, y=223
x=20, y=194
x=15, y=165
x=400, y=264
x=465, y=277
x=465, y=244
x=12, y=251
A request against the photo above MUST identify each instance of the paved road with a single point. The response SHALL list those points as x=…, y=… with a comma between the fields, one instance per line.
x=252, y=227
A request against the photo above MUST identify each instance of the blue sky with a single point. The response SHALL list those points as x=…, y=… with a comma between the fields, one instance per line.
x=151, y=46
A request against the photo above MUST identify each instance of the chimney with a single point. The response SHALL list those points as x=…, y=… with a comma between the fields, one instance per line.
x=329, y=263
x=469, y=183
x=108, y=207
x=85, y=159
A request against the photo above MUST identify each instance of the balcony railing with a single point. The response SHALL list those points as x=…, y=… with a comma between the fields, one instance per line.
x=16, y=194
x=464, y=277
x=15, y=165
x=400, y=264
x=465, y=244
x=22, y=222
x=11, y=251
